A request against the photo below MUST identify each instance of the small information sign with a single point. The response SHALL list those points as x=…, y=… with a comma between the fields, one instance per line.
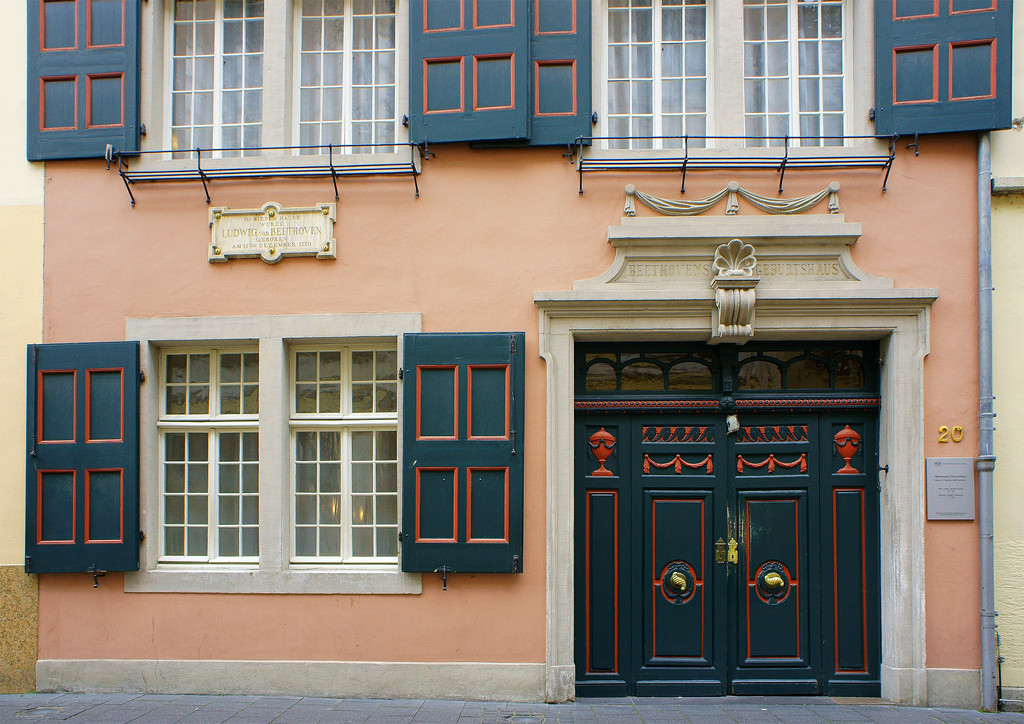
x=272, y=232
x=950, y=488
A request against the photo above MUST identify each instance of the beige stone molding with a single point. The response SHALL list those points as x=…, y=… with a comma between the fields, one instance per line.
x=733, y=317
x=768, y=204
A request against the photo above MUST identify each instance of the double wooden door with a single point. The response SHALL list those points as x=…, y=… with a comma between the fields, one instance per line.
x=713, y=561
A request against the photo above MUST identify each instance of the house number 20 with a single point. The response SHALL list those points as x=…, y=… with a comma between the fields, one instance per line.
x=956, y=434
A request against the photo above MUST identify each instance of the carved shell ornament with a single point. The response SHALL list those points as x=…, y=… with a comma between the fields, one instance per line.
x=735, y=259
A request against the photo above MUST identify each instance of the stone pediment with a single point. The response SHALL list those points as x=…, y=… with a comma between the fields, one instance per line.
x=729, y=265
x=679, y=253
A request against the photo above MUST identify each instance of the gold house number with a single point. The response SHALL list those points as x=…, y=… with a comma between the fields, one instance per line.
x=956, y=434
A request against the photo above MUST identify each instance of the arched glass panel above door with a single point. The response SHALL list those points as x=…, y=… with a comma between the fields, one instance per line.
x=694, y=370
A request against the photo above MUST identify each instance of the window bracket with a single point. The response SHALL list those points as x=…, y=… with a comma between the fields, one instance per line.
x=678, y=158
x=782, y=166
x=290, y=162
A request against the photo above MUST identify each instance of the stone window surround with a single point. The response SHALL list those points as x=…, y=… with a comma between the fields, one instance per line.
x=274, y=335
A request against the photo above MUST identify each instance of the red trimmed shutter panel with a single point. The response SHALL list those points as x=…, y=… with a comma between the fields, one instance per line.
x=560, y=71
x=468, y=69
x=82, y=470
x=83, y=75
x=942, y=65
x=462, y=477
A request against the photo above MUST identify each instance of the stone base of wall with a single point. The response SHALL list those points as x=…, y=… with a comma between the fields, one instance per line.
x=957, y=688
x=1011, y=698
x=373, y=679
x=19, y=630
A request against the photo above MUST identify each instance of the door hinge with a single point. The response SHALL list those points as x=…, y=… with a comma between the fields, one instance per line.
x=142, y=376
x=401, y=373
x=512, y=343
x=28, y=564
x=515, y=564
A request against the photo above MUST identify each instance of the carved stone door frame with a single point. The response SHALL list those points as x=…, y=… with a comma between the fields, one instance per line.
x=800, y=299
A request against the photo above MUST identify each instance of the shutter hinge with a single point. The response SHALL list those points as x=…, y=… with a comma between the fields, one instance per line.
x=28, y=564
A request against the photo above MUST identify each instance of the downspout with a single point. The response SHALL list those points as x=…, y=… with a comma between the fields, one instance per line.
x=986, y=459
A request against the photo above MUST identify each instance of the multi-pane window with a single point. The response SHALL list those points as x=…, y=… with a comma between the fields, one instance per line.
x=217, y=74
x=346, y=87
x=793, y=70
x=657, y=71
x=345, y=454
x=210, y=455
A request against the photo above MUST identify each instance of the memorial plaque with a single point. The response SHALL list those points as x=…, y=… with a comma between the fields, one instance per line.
x=272, y=232
x=950, y=488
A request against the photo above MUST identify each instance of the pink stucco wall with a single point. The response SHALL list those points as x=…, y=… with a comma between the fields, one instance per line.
x=490, y=229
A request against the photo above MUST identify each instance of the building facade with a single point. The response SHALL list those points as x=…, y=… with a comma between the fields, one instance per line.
x=509, y=350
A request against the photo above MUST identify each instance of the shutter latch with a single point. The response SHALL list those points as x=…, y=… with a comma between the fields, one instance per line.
x=444, y=570
x=96, y=575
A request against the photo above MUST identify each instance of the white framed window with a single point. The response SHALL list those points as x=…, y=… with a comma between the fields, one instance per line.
x=344, y=423
x=657, y=71
x=793, y=70
x=730, y=70
x=346, y=91
x=209, y=456
x=216, y=74
x=237, y=79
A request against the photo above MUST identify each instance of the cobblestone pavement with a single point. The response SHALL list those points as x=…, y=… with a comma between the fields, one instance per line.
x=170, y=709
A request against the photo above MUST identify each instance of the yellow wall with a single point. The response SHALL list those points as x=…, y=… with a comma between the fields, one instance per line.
x=21, y=285
x=21, y=299
x=1007, y=232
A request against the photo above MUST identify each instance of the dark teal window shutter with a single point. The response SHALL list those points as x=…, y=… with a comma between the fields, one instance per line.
x=462, y=478
x=468, y=67
x=942, y=65
x=83, y=77
x=560, y=60
x=82, y=471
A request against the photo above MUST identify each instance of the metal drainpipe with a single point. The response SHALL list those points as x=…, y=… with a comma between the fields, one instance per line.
x=986, y=459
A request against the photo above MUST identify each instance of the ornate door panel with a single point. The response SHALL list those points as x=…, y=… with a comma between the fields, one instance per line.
x=681, y=594
x=604, y=563
x=849, y=566
x=773, y=488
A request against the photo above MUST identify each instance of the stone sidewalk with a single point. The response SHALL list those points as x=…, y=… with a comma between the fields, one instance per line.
x=170, y=709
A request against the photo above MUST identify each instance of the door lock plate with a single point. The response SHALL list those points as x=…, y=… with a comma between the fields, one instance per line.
x=720, y=551
x=734, y=556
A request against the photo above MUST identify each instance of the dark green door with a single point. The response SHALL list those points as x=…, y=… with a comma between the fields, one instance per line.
x=711, y=561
